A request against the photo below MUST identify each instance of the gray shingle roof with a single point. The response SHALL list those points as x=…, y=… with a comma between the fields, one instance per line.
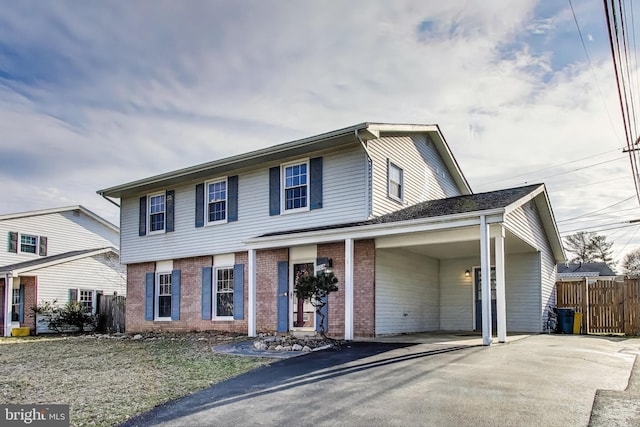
x=586, y=267
x=434, y=208
x=44, y=260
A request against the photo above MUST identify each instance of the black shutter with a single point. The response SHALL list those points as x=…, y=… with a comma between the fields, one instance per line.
x=232, y=198
x=200, y=205
x=142, y=220
x=315, y=183
x=274, y=190
x=170, y=210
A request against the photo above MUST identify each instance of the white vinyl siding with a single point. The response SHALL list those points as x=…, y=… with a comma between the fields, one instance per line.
x=65, y=232
x=343, y=200
x=523, y=292
x=407, y=295
x=425, y=176
x=525, y=223
x=456, y=294
x=100, y=272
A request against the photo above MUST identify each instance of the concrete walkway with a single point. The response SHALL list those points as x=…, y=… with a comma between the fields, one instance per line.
x=542, y=380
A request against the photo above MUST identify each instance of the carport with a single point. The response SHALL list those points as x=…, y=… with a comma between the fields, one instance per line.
x=437, y=247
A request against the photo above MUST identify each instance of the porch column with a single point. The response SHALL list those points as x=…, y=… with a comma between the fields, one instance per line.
x=485, y=266
x=501, y=300
x=8, y=285
x=251, y=316
x=348, y=289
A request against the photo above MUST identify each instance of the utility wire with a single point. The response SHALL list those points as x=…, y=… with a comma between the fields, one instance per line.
x=597, y=210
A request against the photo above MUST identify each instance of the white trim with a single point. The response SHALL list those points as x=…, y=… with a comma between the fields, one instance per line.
x=283, y=201
x=375, y=230
x=224, y=179
x=37, y=245
x=485, y=266
x=501, y=299
x=309, y=260
x=348, y=289
x=251, y=310
x=8, y=285
x=164, y=213
x=38, y=266
x=392, y=164
x=214, y=292
x=156, y=298
x=60, y=210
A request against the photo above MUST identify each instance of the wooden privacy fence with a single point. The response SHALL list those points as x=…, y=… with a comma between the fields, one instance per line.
x=111, y=312
x=607, y=307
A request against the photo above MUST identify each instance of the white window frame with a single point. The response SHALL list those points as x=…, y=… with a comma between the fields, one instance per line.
x=36, y=246
x=157, y=295
x=214, y=294
x=82, y=300
x=283, y=186
x=15, y=303
x=400, y=184
x=164, y=213
x=225, y=200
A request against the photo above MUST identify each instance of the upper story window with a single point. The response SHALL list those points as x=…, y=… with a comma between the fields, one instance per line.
x=156, y=212
x=216, y=201
x=395, y=183
x=27, y=243
x=295, y=188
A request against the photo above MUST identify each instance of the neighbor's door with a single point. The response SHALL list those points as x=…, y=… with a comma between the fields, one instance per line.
x=478, y=298
x=302, y=312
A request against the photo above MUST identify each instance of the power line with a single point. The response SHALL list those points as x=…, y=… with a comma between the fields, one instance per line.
x=597, y=210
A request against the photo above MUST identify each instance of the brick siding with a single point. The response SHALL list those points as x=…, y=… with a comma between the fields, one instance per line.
x=267, y=287
x=30, y=293
x=364, y=297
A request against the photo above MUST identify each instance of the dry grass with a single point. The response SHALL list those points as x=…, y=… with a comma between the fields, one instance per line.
x=107, y=380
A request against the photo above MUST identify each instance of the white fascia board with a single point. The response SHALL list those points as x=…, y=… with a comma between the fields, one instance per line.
x=19, y=271
x=376, y=230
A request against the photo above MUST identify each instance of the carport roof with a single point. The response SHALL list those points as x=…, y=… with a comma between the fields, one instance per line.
x=435, y=208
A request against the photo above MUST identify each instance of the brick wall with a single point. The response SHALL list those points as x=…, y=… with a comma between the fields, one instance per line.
x=30, y=293
x=335, y=307
x=267, y=287
x=364, y=289
x=190, y=298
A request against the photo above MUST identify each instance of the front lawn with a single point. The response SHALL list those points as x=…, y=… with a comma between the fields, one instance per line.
x=107, y=380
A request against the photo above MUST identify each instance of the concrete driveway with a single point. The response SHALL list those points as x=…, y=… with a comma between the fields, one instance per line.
x=428, y=380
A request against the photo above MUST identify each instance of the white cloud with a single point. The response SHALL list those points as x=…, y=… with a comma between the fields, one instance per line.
x=119, y=91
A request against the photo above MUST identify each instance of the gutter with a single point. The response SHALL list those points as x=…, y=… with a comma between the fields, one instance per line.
x=109, y=200
x=369, y=175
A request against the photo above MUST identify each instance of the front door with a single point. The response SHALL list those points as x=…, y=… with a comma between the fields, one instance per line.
x=478, y=298
x=303, y=315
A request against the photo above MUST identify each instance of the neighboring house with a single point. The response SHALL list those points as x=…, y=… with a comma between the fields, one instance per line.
x=591, y=270
x=56, y=255
x=217, y=246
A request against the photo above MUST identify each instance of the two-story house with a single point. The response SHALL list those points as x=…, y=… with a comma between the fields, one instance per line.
x=55, y=255
x=218, y=245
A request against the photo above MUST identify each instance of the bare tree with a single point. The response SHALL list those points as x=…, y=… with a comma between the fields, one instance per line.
x=589, y=247
x=631, y=263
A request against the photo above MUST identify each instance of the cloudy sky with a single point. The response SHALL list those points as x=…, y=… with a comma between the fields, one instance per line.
x=96, y=94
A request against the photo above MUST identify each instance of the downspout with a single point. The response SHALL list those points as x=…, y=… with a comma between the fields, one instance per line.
x=369, y=177
x=109, y=200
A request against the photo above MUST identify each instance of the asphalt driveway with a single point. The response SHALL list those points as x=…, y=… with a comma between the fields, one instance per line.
x=543, y=380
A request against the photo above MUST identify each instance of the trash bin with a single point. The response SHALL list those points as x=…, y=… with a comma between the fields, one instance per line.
x=565, y=320
x=577, y=322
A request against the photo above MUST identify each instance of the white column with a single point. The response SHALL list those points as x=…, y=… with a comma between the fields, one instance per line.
x=8, y=285
x=348, y=289
x=251, y=317
x=485, y=266
x=501, y=299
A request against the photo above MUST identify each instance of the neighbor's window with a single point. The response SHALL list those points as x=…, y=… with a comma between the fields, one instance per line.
x=217, y=201
x=28, y=244
x=223, y=298
x=295, y=186
x=15, y=305
x=156, y=212
x=86, y=299
x=395, y=181
x=163, y=292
